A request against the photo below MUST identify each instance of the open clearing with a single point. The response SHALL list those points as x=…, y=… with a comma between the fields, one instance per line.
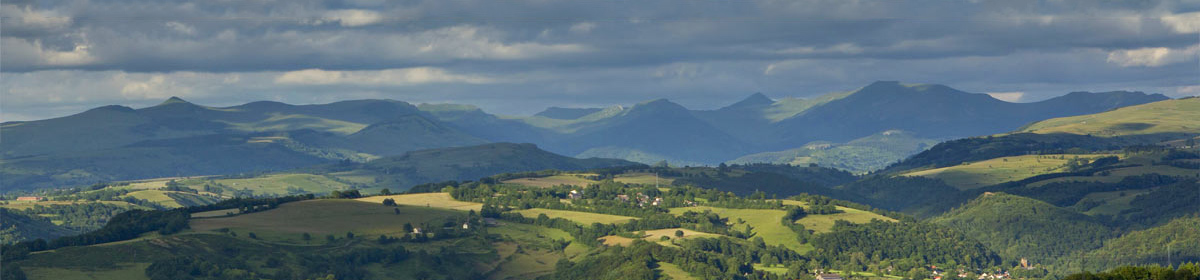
x=824, y=223
x=1167, y=116
x=577, y=180
x=583, y=218
x=536, y=256
x=327, y=216
x=673, y=271
x=131, y=271
x=643, y=178
x=764, y=221
x=656, y=237
x=436, y=200
x=999, y=170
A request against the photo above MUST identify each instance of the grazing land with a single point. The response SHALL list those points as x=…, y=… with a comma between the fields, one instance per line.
x=583, y=218
x=999, y=170
x=644, y=179
x=435, y=200
x=765, y=224
x=1170, y=116
x=326, y=217
x=673, y=271
x=577, y=180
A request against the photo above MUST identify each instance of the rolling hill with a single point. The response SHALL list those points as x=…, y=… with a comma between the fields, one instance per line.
x=463, y=163
x=1170, y=116
x=1019, y=227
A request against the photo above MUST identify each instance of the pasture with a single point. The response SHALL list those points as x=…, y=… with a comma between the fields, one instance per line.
x=577, y=180
x=824, y=223
x=325, y=216
x=435, y=200
x=644, y=179
x=583, y=218
x=764, y=221
x=999, y=170
x=673, y=271
x=1159, y=117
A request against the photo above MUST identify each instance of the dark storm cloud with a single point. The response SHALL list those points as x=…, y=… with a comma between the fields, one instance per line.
x=701, y=53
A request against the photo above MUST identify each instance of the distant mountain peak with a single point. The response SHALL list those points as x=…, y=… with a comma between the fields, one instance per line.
x=174, y=100
x=755, y=100
x=567, y=113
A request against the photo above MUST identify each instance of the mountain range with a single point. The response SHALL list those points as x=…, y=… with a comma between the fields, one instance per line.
x=885, y=121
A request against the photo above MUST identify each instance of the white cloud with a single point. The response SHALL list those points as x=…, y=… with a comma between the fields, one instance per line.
x=33, y=52
x=354, y=18
x=582, y=27
x=33, y=19
x=1183, y=23
x=156, y=86
x=181, y=28
x=1188, y=90
x=1014, y=96
x=389, y=77
x=1153, y=57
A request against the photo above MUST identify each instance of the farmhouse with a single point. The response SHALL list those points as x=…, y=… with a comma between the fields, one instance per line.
x=829, y=277
x=30, y=198
x=575, y=194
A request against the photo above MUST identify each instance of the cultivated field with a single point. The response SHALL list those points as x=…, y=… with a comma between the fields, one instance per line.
x=643, y=178
x=325, y=216
x=999, y=170
x=562, y=179
x=583, y=218
x=435, y=200
x=824, y=223
x=764, y=221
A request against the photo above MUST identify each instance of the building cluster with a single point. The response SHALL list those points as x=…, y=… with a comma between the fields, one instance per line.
x=938, y=274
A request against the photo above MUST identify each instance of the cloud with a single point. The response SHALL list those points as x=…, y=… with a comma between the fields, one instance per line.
x=354, y=18
x=582, y=27
x=393, y=77
x=1153, y=57
x=34, y=52
x=1183, y=23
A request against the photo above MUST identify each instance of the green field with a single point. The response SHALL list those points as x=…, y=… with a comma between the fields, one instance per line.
x=325, y=216
x=527, y=253
x=173, y=199
x=824, y=223
x=562, y=179
x=435, y=200
x=764, y=221
x=673, y=271
x=644, y=179
x=656, y=237
x=282, y=184
x=1112, y=203
x=999, y=170
x=1178, y=116
x=129, y=271
x=583, y=218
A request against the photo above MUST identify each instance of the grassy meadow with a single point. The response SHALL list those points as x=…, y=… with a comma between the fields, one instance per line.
x=999, y=170
x=1170, y=116
x=583, y=218
x=435, y=200
x=325, y=216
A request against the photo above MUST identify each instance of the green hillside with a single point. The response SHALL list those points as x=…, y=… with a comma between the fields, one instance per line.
x=463, y=163
x=1169, y=116
x=1151, y=246
x=1019, y=227
x=15, y=227
x=858, y=156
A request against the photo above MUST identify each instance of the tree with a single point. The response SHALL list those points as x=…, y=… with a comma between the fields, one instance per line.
x=385, y=191
x=389, y=202
x=252, y=235
x=330, y=238
x=408, y=227
x=678, y=233
x=349, y=235
x=306, y=236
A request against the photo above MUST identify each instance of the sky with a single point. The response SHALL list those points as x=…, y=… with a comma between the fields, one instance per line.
x=517, y=57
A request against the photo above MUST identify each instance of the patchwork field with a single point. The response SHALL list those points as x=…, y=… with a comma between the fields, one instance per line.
x=824, y=223
x=173, y=199
x=1112, y=203
x=529, y=254
x=583, y=218
x=764, y=221
x=131, y=271
x=998, y=170
x=643, y=178
x=283, y=184
x=435, y=200
x=656, y=237
x=325, y=216
x=556, y=180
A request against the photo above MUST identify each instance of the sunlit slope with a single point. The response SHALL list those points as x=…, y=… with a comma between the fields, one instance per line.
x=1169, y=116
